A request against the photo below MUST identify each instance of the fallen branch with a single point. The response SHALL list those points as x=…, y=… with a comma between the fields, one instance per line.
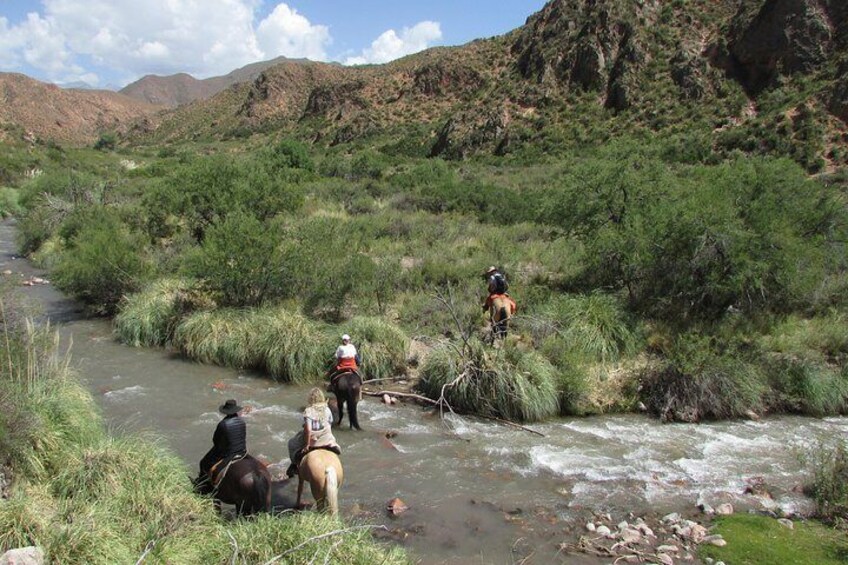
x=402, y=395
x=513, y=424
x=150, y=545
x=236, y=548
x=322, y=536
x=369, y=381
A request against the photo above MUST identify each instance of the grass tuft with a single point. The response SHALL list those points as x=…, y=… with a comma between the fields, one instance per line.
x=505, y=383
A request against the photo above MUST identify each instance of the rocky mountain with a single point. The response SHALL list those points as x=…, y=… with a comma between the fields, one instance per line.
x=180, y=89
x=46, y=111
x=752, y=75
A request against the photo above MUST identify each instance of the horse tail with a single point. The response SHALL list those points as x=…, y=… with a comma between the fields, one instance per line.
x=331, y=490
x=503, y=315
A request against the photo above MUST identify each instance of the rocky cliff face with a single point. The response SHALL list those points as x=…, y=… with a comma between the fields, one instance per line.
x=653, y=63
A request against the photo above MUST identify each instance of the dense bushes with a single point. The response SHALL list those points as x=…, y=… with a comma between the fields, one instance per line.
x=505, y=383
x=829, y=484
x=102, y=264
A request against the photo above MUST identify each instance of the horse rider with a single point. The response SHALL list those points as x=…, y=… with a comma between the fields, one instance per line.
x=347, y=361
x=228, y=442
x=317, y=432
x=496, y=284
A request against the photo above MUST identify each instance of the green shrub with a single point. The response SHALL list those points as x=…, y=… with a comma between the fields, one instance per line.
x=505, y=383
x=382, y=346
x=806, y=387
x=829, y=486
x=239, y=262
x=699, y=382
x=9, y=202
x=149, y=318
x=222, y=337
x=103, y=262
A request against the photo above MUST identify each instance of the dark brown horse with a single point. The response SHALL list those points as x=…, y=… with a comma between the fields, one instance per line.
x=348, y=389
x=246, y=484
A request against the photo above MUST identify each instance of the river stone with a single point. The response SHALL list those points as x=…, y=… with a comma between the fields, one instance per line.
x=786, y=523
x=668, y=549
x=603, y=530
x=706, y=508
x=647, y=531
x=396, y=506
x=623, y=525
x=718, y=542
x=23, y=556
x=590, y=526
x=671, y=518
x=665, y=559
x=629, y=535
x=725, y=509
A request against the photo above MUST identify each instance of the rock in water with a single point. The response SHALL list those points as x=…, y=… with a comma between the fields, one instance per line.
x=23, y=556
x=396, y=506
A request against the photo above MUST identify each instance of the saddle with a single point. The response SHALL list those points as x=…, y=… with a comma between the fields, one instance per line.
x=219, y=469
x=334, y=378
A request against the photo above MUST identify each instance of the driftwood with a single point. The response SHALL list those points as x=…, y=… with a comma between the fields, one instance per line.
x=436, y=403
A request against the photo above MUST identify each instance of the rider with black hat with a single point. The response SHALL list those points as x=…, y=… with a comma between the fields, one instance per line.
x=229, y=440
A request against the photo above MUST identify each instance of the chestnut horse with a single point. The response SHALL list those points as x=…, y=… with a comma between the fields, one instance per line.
x=323, y=470
x=500, y=311
x=246, y=485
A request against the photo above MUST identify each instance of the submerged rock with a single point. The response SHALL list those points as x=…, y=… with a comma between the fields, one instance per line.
x=396, y=506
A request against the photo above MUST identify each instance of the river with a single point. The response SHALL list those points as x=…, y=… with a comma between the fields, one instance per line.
x=477, y=491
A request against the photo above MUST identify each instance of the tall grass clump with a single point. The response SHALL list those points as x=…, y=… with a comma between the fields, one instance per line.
x=505, y=383
x=807, y=387
x=594, y=326
x=697, y=381
x=829, y=485
x=266, y=537
x=382, y=346
x=222, y=337
x=149, y=318
x=293, y=348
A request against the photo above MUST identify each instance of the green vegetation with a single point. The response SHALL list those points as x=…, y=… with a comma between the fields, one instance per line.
x=664, y=269
x=761, y=540
x=829, y=486
x=504, y=383
x=86, y=497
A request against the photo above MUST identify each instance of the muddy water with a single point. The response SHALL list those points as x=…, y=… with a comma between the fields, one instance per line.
x=478, y=492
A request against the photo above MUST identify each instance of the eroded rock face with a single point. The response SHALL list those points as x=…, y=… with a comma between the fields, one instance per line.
x=689, y=71
x=324, y=100
x=782, y=37
x=469, y=132
x=439, y=79
x=592, y=45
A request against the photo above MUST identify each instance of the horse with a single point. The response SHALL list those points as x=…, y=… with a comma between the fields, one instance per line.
x=322, y=468
x=501, y=309
x=348, y=389
x=246, y=484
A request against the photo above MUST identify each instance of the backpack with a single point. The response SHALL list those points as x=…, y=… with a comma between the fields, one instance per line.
x=499, y=284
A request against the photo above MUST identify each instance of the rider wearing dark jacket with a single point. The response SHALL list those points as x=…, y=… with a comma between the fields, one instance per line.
x=229, y=440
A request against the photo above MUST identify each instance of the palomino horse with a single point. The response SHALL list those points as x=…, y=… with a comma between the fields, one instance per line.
x=246, y=484
x=501, y=309
x=348, y=390
x=323, y=469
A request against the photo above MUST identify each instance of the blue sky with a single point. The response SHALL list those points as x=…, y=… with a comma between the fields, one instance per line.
x=113, y=42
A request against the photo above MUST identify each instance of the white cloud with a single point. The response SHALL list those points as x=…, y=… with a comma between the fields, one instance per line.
x=285, y=32
x=390, y=46
x=201, y=37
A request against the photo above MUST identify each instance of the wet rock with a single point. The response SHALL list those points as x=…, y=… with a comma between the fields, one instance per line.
x=706, y=509
x=387, y=399
x=725, y=509
x=590, y=526
x=786, y=523
x=603, y=530
x=750, y=414
x=641, y=407
x=396, y=507
x=646, y=531
x=623, y=525
x=23, y=556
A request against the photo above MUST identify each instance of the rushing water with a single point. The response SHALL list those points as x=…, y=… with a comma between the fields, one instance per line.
x=478, y=492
